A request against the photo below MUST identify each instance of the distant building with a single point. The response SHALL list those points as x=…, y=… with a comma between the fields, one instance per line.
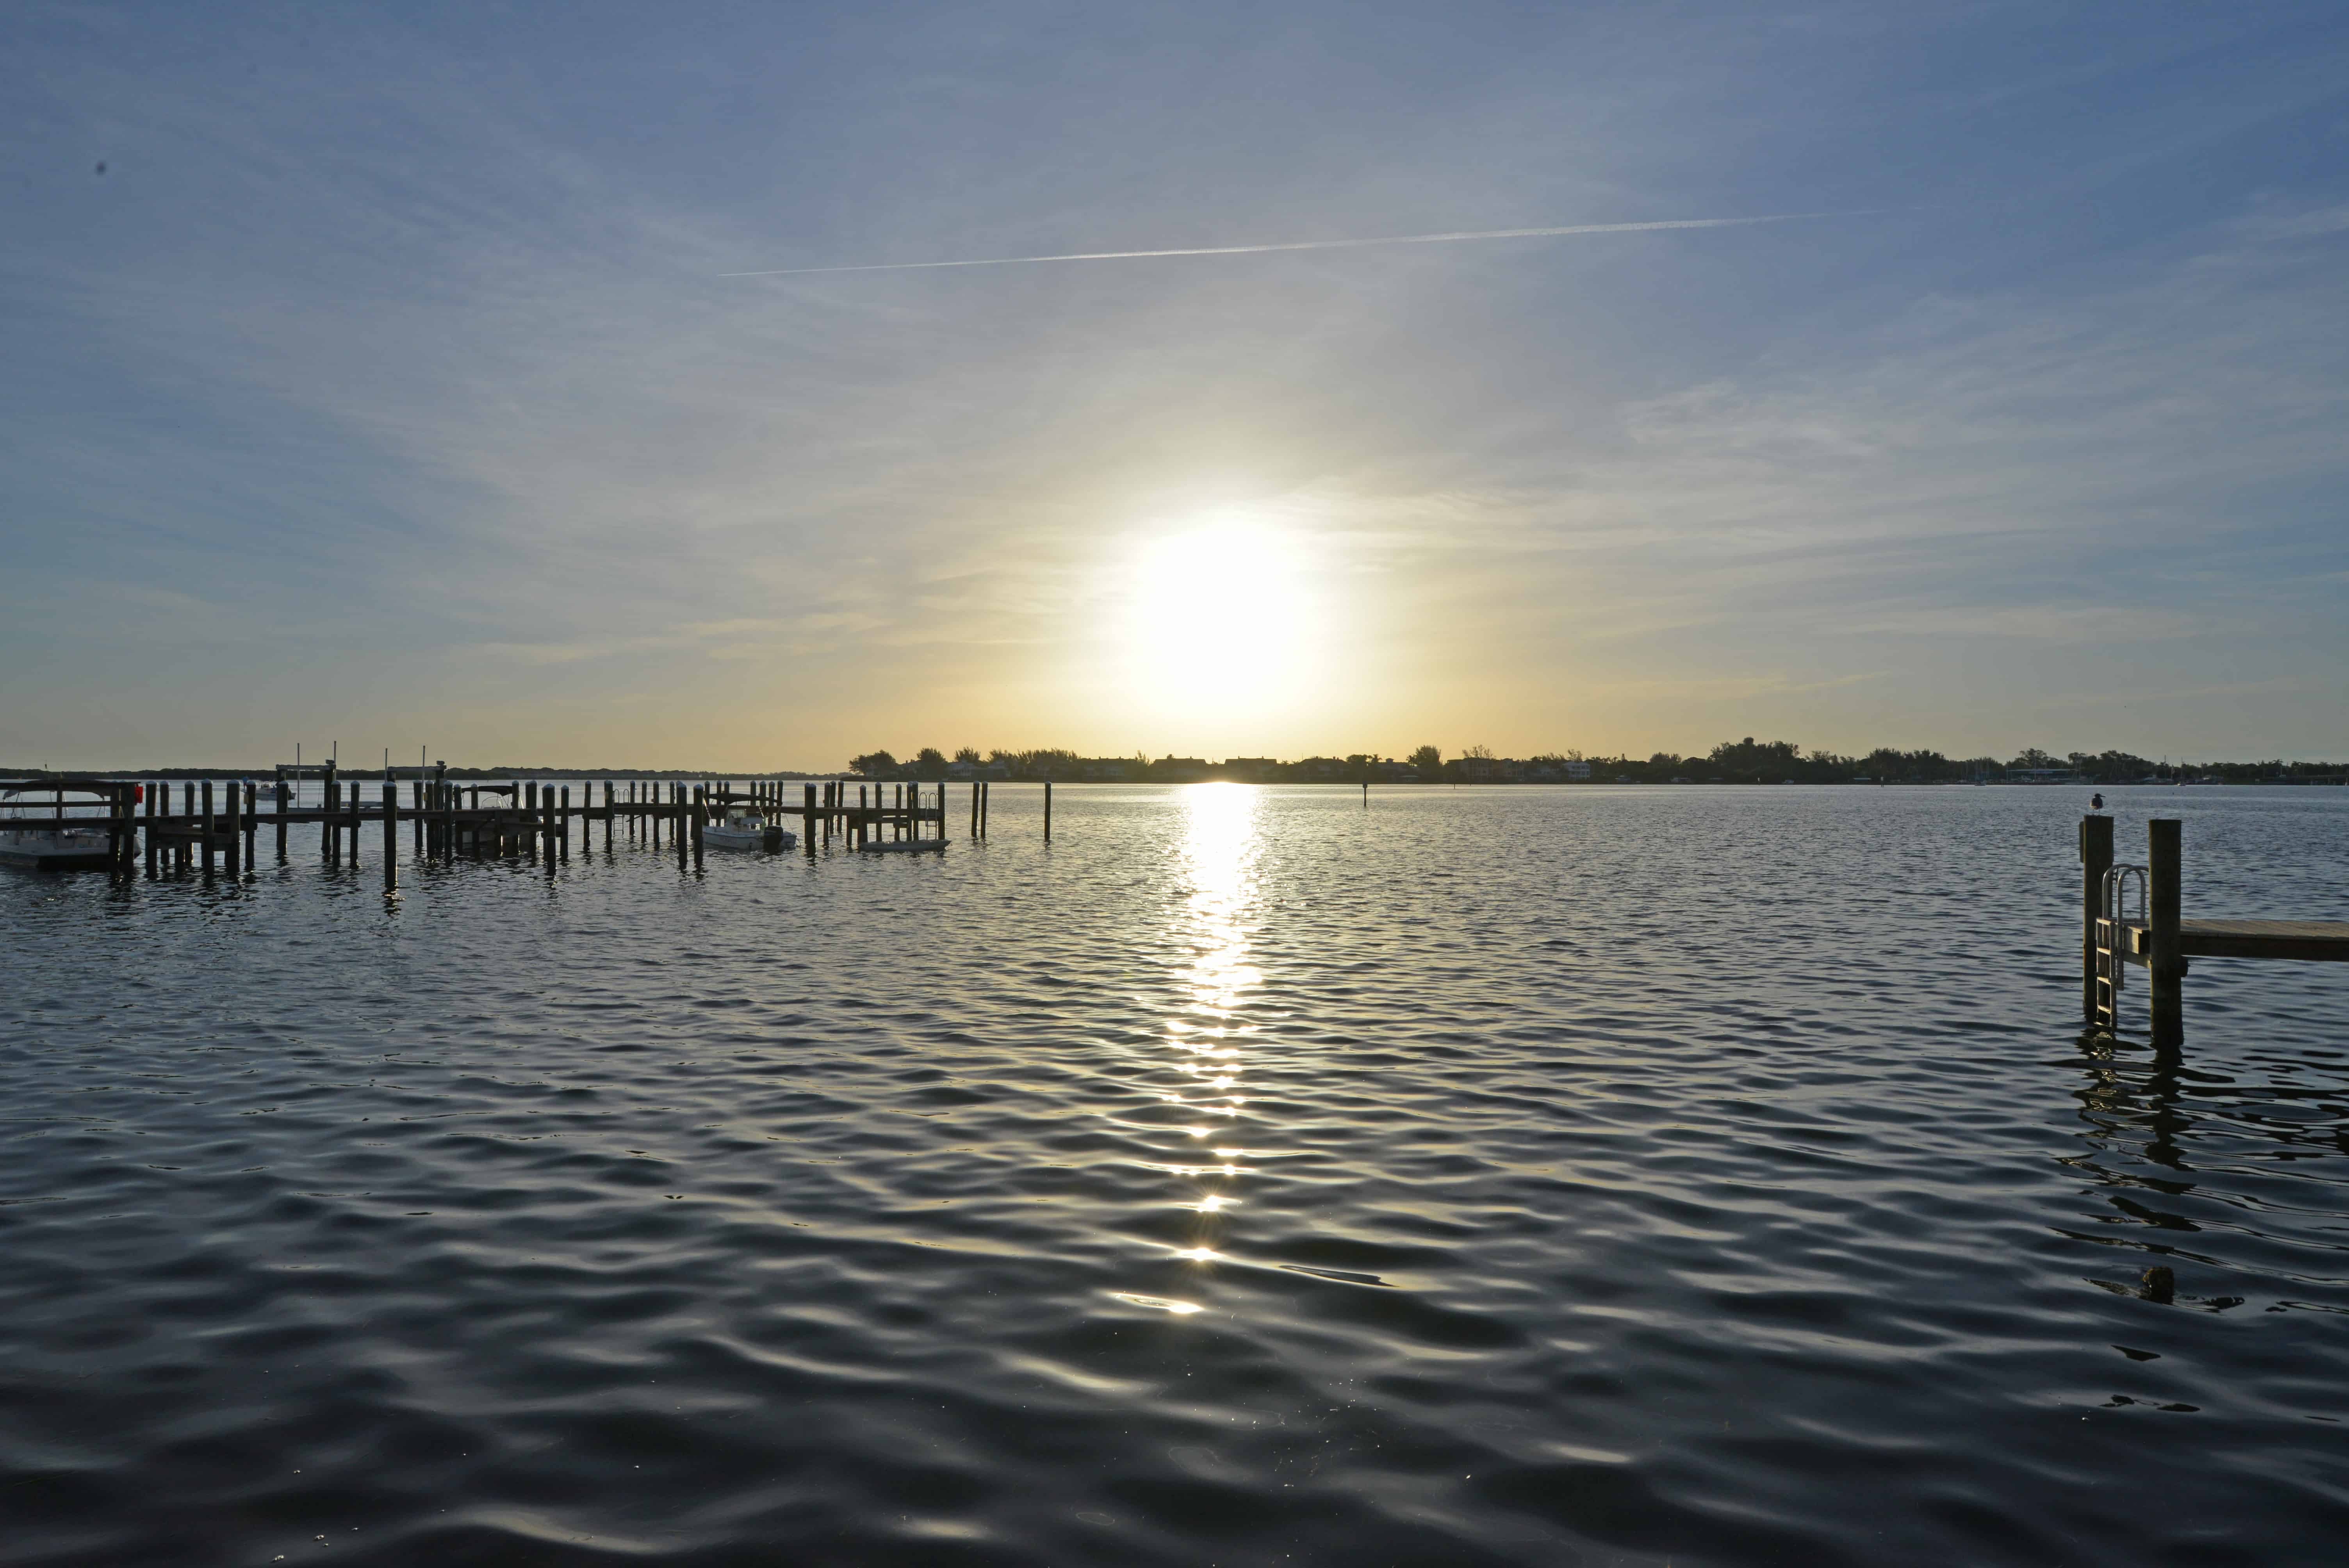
x=1577, y=773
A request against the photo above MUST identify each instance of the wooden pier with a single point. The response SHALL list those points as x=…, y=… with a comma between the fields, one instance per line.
x=215, y=826
x=2159, y=939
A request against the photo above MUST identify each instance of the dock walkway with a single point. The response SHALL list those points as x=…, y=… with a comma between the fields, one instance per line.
x=2156, y=936
x=220, y=821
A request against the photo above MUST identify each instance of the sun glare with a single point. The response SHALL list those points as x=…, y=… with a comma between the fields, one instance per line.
x=1225, y=622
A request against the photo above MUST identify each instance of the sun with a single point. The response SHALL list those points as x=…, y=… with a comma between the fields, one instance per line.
x=1224, y=624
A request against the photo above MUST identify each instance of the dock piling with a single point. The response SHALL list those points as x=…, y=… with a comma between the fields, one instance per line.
x=233, y=830
x=2165, y=960
x=2096, y=859
x=391, y=835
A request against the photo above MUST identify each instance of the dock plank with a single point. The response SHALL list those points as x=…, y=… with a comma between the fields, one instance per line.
x=2308, y=940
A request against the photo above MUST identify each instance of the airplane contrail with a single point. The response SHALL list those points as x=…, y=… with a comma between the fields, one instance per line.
x=1306, y=244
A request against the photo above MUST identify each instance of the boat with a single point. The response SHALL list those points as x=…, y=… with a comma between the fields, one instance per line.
x=66, y=849
x=739, y=829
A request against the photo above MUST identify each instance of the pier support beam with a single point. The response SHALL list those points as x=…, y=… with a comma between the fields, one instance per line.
x=2096, y=859
x=234, y=828
x=1047, y=811
x=2166, y=957
x=391, y=836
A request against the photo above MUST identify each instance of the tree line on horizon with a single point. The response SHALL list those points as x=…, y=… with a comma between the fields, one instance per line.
x=1744, y=761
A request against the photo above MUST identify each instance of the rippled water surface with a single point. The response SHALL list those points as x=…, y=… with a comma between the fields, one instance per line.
x=1560, y=1176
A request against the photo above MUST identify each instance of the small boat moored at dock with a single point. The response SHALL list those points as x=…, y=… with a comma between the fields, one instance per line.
x=746, y=830
x=65, y=847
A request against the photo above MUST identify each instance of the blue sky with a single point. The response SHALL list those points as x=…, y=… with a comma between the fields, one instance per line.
x=387, y=387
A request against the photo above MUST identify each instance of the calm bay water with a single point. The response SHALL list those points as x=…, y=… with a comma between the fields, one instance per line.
x=1553, y=1176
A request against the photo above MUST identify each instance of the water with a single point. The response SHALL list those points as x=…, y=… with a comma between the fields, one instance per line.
x=1559, y=1176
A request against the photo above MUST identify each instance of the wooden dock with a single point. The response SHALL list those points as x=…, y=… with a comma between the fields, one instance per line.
x=2157, y=938
x=215, y=825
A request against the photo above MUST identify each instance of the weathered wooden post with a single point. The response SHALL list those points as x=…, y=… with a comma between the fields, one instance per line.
x=236, y=829
x=2165, y=962
x=252, y=823
x=390, y=834
x=119, y=826
x=700, y=818
x=153, y=849
x=358, y=820
x=610, y=811
x=2096, y=859
x=809, y=822
x=1047, y=811
x=205, y=821
x=562, y=826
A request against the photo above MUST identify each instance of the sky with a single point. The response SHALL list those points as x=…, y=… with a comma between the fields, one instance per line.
x=396, y=383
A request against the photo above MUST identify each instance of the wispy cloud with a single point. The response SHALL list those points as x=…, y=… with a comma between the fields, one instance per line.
x=1308, y=245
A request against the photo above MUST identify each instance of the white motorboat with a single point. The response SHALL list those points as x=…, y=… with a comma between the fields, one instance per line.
x=51, y=848
x=739, y=829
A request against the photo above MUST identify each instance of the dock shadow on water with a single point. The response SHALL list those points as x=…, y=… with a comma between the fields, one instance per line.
x=1514, y=1176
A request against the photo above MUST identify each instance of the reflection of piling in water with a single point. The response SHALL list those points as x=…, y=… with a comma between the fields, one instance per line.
x=2159, y=939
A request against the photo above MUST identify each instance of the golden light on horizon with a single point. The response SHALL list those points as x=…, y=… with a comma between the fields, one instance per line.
x=1223, y=623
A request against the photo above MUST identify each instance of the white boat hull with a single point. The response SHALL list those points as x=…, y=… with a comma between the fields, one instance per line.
x=71, y=850
x=720, y=836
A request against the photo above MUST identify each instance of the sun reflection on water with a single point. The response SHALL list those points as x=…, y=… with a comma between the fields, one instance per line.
x=1206, y=1030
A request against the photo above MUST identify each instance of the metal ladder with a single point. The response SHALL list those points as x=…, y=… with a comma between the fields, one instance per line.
x=2112, y=940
